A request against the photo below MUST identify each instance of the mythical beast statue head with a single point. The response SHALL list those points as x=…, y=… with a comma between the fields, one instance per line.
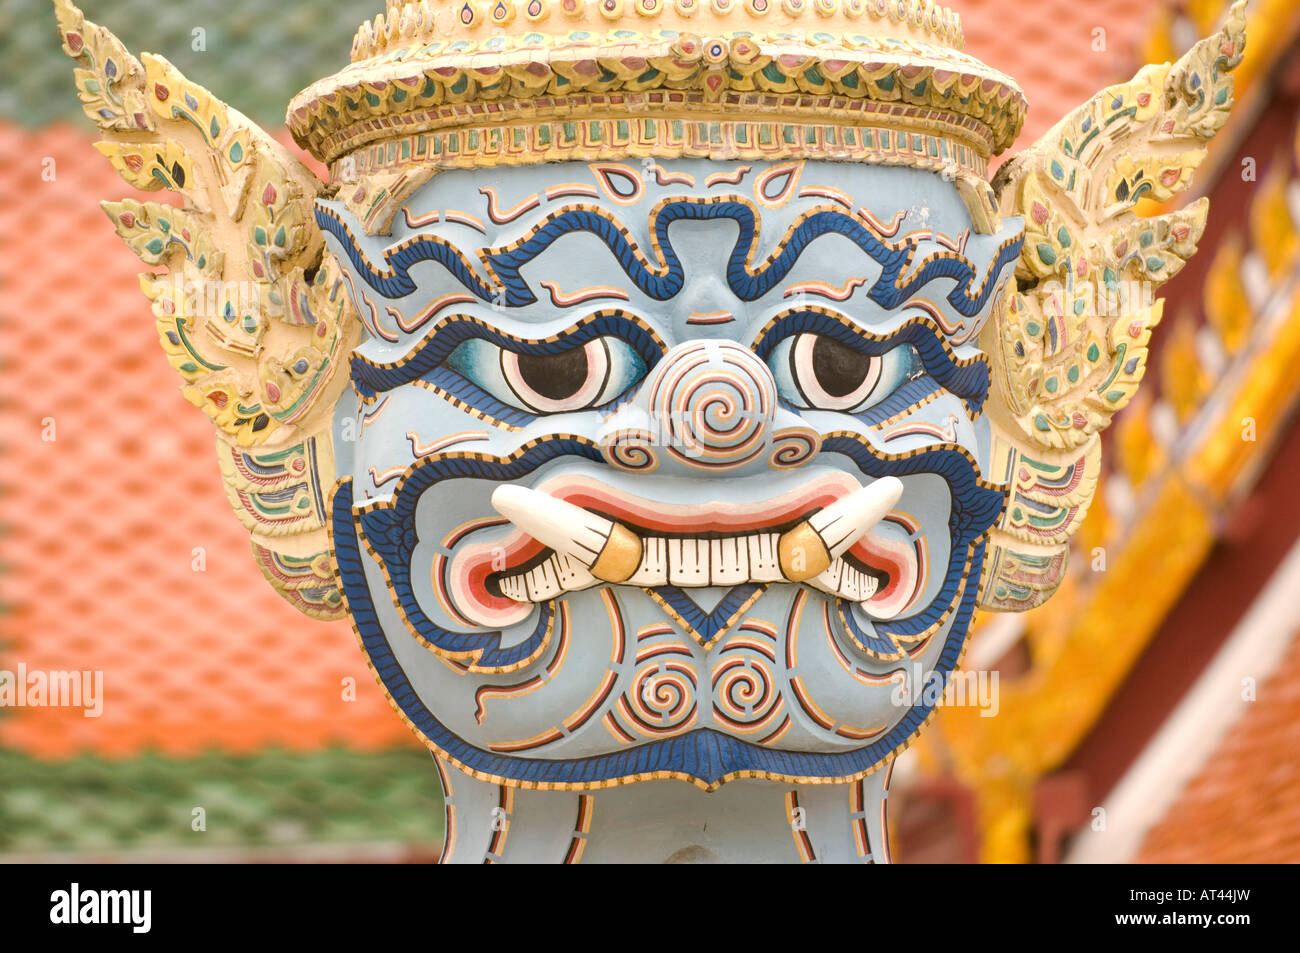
x=659, y=385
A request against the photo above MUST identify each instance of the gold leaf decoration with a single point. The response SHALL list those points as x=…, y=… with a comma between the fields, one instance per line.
x=1069, y=347
x=250, y=309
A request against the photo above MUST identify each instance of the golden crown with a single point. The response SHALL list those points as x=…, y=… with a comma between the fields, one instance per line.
x=472, y=83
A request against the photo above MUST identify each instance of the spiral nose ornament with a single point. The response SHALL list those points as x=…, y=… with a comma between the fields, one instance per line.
x=713, y=403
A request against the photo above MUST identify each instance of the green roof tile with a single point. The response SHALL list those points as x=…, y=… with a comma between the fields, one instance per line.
x=256, y=54
x=269, y=799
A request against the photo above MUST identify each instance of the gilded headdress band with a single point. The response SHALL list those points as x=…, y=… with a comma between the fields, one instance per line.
x=509, y=82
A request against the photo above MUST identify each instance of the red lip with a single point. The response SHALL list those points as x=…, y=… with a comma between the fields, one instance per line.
x=671, y=519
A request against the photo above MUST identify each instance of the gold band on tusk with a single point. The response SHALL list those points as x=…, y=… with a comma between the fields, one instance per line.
x=803, y=553
x=619, y=557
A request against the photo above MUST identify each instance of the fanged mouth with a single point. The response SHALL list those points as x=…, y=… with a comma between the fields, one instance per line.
x=579, y=533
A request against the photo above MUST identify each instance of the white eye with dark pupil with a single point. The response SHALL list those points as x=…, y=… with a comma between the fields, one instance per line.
x=573, y=378
x=554, y=376
x=566, y=380
x=832, y=375
x=818, y=372
x=838, y=369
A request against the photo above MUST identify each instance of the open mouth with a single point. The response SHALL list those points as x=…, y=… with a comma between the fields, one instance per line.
x=575, y=532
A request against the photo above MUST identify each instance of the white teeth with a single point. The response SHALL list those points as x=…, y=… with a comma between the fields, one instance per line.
x=847, y=582
x=845, y=521
x=579, y=536
x=728, y=561
x=653, y=570
x=832, y=574
x=688, y=562
x=546, y=580
x=851, y=582
x=572, y=574
x=542, y=582
x=764, y=565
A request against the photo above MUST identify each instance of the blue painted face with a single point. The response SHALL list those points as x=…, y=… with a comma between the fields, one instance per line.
x=704, y=354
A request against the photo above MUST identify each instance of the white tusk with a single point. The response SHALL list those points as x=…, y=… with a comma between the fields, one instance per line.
x=562, y=526
x=609, y=550
x=848, y=519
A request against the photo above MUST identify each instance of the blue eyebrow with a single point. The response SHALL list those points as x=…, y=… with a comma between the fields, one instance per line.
x=663, y=279
x=395, y=280
x=969, y=378
x=372, y=377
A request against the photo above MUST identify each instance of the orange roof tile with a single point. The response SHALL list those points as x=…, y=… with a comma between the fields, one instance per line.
x=1244, y=805
x=101, y=523
x=1051, y=49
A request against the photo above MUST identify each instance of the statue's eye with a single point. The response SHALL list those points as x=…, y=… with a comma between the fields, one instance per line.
x=561, y=381
x=815, y=371
x=572, y=378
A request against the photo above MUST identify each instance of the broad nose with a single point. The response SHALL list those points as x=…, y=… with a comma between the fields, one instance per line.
x=712, y=403
x=707, y=405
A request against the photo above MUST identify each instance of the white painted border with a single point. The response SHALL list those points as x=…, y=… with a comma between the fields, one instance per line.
x=1196, y=727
